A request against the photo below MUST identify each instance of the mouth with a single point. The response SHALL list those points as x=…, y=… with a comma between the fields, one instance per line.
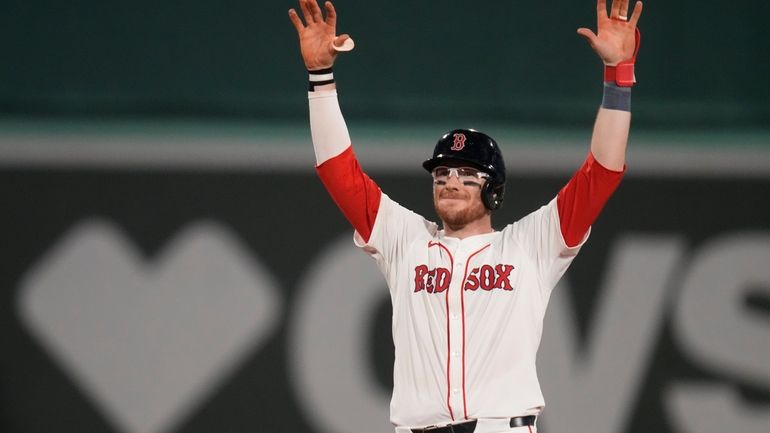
x=452, y=202
x=452, y=197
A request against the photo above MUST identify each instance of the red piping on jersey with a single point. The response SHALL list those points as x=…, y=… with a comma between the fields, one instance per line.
x=448, y=343
x=583, y=197
x=357, y=196
x=530, y=428
x=462, y=303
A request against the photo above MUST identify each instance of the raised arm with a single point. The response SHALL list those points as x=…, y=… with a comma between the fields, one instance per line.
x=356, y=195
x=616, y=42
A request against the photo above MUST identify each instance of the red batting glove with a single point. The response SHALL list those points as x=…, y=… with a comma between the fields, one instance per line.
x=623, y=74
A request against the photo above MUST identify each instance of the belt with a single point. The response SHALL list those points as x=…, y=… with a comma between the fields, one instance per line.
x=468, y=427
x=521, y=421
x=463, y=427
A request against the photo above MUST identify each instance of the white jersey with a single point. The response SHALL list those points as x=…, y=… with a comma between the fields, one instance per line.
x=467, y=314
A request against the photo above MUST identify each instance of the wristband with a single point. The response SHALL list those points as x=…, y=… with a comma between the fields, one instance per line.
x=616, y=97
x=320, y=77
x=623, y=73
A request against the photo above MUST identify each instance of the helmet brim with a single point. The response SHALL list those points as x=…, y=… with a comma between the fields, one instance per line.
x=452, y=160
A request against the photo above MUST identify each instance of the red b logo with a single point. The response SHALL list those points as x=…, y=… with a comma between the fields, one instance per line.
x=459, y=142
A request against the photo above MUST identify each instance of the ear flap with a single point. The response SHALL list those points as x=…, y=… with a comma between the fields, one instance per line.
x=492, y=195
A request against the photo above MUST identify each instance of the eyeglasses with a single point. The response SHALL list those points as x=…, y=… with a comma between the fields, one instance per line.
x=464, y=174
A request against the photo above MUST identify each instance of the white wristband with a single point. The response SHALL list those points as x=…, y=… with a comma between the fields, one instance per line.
x=320, y=78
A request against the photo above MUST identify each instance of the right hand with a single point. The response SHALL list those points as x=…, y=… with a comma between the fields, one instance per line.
x=615, y=38
x=317, y=37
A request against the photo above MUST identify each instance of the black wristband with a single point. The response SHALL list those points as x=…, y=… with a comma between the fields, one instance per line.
x=616, y=97
x=320, y=78
x=320, y=71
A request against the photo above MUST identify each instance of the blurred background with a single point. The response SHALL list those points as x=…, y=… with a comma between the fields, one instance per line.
x=170, y=263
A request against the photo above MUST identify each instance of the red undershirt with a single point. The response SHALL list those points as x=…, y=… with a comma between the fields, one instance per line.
x=579, y=202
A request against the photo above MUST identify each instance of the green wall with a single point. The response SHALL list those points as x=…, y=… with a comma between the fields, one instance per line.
x=517, y=62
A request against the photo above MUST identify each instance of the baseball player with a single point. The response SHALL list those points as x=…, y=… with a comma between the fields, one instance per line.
x=468, y=300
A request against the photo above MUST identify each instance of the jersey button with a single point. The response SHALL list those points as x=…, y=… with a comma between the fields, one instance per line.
x=455, y=391
x=455, y=316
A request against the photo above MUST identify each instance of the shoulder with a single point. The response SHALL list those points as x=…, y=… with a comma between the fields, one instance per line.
x=396, y=226
x=392, y=212
x=532, y=220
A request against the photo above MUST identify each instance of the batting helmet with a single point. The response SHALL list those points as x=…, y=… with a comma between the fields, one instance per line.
x=478, y=150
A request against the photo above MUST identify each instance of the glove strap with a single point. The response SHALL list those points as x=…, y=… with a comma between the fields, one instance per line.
x=623, y=74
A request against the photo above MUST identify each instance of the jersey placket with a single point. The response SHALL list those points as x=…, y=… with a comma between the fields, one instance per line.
x=455, y=314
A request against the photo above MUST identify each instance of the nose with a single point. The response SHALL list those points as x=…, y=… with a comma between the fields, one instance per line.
x=453, y=182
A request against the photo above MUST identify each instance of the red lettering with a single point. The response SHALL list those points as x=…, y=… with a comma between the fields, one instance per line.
x=459, y=142
x=419, y=274
x=487, y=277
x=442, y=279
x=472, y=282
x=490, y=278
x=503, y=273
x=429, y=281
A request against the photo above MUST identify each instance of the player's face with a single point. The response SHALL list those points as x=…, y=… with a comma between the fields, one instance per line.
x=457, y=195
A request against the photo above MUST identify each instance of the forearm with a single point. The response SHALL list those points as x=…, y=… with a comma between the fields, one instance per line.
x=356, y=195
x=327, y=126
x=584, y=196
x=613, y=121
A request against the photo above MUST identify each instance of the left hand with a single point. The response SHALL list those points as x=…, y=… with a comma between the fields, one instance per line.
x=616, y=37
x=318, y=35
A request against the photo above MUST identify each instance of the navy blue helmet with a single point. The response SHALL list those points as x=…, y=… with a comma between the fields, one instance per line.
x=474, y=149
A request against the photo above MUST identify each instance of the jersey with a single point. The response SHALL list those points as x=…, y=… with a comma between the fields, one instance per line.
x=467, y=314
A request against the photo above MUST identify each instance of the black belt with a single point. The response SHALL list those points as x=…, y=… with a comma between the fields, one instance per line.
x=468, y=427
x=521, y=421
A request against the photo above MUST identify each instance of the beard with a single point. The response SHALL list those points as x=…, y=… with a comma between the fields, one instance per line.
x=457, y=218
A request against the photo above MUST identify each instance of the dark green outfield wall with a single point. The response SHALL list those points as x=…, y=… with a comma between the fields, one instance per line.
x=702, y=64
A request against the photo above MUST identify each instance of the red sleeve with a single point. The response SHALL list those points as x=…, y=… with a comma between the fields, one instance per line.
x=357, y=196
x=583, y=197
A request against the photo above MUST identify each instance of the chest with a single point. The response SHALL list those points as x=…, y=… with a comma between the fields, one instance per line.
x=466, y=289
x=479, y=266
x=474, y=271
